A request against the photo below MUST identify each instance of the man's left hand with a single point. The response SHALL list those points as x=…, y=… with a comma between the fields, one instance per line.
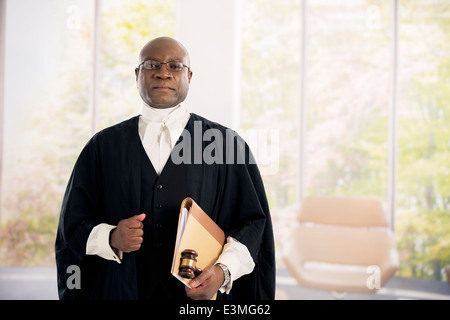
x=206, y=284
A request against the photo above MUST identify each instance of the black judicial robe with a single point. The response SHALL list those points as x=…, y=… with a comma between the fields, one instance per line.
x=106, y=186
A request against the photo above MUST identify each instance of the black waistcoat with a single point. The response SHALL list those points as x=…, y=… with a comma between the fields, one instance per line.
x=161, y=197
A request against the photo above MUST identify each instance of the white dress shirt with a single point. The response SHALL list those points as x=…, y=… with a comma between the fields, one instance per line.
x=159, y=130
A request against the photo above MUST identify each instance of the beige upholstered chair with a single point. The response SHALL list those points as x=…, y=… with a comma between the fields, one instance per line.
x=341, y=244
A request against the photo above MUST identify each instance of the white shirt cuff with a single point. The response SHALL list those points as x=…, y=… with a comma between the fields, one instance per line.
x=98, y=243
x=237, y=258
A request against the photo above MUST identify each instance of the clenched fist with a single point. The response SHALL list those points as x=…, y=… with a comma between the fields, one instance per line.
x=127, y=236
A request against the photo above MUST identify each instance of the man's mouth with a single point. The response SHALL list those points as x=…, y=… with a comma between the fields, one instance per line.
x=163, y=89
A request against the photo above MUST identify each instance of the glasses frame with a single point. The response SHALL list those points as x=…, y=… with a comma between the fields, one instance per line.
x=161, y=63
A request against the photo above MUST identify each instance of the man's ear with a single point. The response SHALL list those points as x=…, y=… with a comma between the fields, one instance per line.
x=189, y=76
x=136, y=72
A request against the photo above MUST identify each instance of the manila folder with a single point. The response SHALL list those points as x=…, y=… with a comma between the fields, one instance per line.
x=196, y=231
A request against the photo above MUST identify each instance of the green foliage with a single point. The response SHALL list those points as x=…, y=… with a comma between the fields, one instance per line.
x=423, y=219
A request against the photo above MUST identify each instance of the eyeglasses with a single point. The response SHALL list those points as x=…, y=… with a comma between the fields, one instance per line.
x=172, y=66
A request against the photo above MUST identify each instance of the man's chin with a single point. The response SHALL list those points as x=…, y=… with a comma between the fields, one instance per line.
x=162, y=105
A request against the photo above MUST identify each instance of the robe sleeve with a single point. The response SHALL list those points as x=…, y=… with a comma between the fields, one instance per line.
x=80, y=213
x=245, y=203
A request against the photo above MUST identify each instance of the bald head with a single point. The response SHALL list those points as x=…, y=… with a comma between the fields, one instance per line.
x=165, y=43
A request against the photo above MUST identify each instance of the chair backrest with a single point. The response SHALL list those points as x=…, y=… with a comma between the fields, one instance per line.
x=343, y=211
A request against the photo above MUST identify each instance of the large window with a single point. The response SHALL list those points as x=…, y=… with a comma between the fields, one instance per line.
x=423, y=192
x=347, y=98
x=46, y=119
x=359, y=91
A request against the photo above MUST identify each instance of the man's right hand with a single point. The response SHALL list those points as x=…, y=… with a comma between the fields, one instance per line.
x=127, y=236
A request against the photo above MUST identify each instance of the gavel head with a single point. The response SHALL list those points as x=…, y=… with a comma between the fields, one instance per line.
x=187, y=268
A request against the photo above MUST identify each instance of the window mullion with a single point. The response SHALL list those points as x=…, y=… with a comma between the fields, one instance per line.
x=95, y=66
x=392, y=115
x=2, y=89
x=302, y=101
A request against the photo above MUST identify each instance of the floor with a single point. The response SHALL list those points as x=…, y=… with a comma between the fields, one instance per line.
x=396, y=289
x=40, y=284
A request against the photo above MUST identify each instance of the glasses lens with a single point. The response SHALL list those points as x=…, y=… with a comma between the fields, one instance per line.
x=152, y=65
x=175, y=66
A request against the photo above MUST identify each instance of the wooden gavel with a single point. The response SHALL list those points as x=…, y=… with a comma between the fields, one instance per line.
x=187, y=268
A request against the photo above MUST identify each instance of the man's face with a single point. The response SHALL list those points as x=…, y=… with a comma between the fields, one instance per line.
x=163, y=88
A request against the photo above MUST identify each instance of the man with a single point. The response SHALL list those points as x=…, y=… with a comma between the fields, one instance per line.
x=120, y=210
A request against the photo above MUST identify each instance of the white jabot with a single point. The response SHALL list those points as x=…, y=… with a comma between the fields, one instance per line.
x=159, y=130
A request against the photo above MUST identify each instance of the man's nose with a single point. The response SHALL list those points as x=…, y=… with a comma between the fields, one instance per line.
x=163, y=73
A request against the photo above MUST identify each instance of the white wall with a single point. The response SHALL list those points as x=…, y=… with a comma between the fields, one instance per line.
x=210, y=31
